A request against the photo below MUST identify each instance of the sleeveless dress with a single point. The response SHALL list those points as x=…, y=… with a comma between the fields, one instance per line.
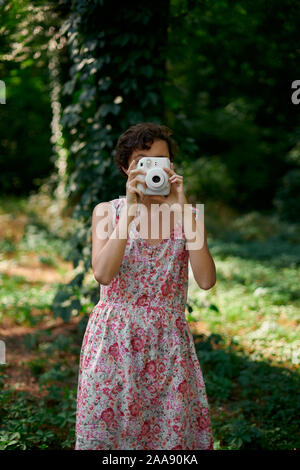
x=140, y=384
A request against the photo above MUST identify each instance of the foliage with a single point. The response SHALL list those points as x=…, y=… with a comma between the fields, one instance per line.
x=26, y=239
x=25, y=148
x=259, y=398
x=230, y=67
x=288, y=196
x=47, y=423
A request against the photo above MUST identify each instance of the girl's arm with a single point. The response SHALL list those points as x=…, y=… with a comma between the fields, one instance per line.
x=107, y=253
x=202, y=263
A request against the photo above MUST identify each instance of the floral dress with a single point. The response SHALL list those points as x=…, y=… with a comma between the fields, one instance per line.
x=140, y=384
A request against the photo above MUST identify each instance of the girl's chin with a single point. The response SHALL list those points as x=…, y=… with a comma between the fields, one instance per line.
x=150, y=197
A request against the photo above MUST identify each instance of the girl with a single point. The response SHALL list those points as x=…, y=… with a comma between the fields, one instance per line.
x=140, y=383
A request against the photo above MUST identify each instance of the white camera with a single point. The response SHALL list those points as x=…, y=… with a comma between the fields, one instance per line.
x=157, y=180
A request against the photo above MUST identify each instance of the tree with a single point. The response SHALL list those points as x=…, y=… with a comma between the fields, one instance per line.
x=25, y=150
x=117, y=68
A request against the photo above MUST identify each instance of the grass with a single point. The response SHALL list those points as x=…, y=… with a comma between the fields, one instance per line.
x=250, y=352
x=246, y=330
x=38, y=382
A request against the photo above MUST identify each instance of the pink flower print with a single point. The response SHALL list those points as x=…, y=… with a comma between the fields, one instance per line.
x=196, y=410
x=145, y=428
x=173, y=286
x=117, y=389
x=121, y=325
x=152, y=388
x=204, y=411
x=156, y=429
x=169, y=379
x=175, y=428
x=142, y=300
x=190, y=363
x=154, y=401
x=179, y=323
x=134, y=409
x=122, y=284
x=137, y=344
x=164, y=289
x=202, y=421
x=113, y=426
x=182, y=387
x=139, y=331
x=151, y=367
x=109, y=291
x=114, y=350
x=180, y=256
x=107, y=415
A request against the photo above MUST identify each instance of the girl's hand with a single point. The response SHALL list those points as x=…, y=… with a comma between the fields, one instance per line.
x=176, y=194
x=131, y=189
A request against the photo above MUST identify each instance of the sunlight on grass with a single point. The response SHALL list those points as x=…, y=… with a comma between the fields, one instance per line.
x=256, y=304
x=246, y=331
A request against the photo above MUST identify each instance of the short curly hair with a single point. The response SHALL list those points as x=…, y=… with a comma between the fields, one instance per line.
x=137, y=137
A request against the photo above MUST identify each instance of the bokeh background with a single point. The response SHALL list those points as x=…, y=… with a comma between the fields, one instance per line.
x=219, y=73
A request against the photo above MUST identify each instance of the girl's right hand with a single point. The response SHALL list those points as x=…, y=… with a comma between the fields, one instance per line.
x=131, y=190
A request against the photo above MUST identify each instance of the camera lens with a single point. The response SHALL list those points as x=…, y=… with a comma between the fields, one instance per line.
x=156, y=179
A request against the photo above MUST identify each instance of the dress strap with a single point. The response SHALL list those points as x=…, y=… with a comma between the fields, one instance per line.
x=117, y=205
x=196, y=212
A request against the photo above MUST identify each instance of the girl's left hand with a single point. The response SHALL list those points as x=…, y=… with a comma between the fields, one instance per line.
x=176, y=194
